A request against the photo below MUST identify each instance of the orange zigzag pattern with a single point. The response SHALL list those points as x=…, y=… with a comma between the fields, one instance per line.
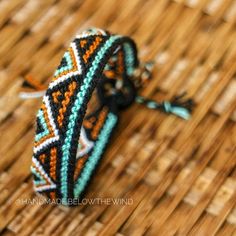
x=91, y=49
x=65, y=102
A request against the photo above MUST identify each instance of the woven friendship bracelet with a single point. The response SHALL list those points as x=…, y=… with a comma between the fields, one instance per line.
x=68, y=146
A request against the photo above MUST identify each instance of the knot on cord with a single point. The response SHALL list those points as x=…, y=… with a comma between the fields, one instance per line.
x=177, y=106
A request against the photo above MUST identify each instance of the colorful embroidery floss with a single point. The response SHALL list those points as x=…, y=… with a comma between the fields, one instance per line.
x=68, y=146
x=66, y=152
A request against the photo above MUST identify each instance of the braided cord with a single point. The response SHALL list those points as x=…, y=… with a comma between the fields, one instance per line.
x=179, y=109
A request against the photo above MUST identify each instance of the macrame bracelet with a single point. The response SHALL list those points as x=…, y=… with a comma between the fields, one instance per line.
x=68, y=146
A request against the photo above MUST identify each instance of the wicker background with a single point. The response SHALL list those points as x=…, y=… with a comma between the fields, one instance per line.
x=180, y=174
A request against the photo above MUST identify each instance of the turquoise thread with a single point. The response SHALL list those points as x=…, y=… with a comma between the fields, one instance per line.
x=77, y=105
x=167, y=106
x=37, y=182
x=179, y=111
x=152, y=105
x=43, y=123
x=129, y=59
x=96, y=154
x=64, y=68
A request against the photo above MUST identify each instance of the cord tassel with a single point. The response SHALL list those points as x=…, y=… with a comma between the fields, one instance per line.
x=177, y=107
x=177, y=110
